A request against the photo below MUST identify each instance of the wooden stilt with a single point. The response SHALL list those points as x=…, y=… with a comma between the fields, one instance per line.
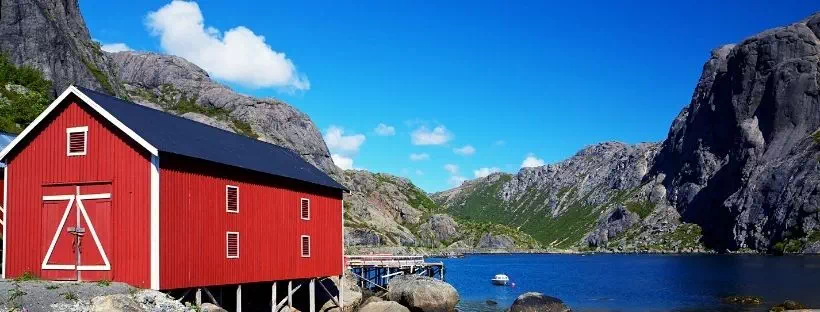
x=239, y=298
x=341, y=292
x=210, y=296
x=273, y=301
x=290, y=294
x=198, y=297
x=312, y=294
x=285, y=300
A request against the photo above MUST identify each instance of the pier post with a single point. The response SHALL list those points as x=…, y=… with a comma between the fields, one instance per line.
x=340, y=297
x=312, y=294
x=239, y=298
x=198, y=297
x=273, y=301
x=290, y=294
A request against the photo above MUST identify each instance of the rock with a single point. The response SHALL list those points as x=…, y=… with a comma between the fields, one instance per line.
x=538, y=302
x=115, y=303
x=208, y=121
x=493, y=241
x=362, y=237
x=384, y=306
x=52, y=36
x=439, y=228
x=743, y=300
x=491, y=302
x=739, y=160
x=787, y=305
x=372, y=299
x=811, y=248
x=420, y=293
x=610, y=225
x=210, y=307
x=352, y=298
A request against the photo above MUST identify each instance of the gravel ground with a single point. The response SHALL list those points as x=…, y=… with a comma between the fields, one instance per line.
x=37, y=296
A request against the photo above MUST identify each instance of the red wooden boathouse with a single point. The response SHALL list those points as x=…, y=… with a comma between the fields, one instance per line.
x=98, y=188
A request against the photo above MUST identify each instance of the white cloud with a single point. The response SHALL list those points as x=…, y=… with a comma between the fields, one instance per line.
x=466, y=150
x=532, y=161
x=115, y=47
x=419, y=172
x=342, y=162
x=456, y=180
x=419, y=157
x=424, y=136
x=338, y=142
x=483, y=172
x=451, y=168
x=385, y=130
x=236, y=55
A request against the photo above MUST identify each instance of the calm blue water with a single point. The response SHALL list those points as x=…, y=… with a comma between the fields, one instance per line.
x=636, y=282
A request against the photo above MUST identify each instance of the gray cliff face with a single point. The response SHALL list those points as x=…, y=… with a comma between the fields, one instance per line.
x=739, y=160
x=52, y=37
x=159, y=80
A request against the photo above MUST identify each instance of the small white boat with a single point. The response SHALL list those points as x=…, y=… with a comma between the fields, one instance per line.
x=500, y=279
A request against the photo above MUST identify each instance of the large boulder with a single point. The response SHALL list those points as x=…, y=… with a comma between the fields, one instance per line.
x=538, y=302
x=115, y=303
x=210, y=307
x=421, y=293
x=384, y=306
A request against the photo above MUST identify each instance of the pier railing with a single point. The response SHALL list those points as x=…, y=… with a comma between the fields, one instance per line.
x=375, y=271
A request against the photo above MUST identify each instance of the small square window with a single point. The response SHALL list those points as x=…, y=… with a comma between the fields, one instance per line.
x=76, y=141
x=232, y=244
x=305, y=246
x=305, y=209
x=232, y=199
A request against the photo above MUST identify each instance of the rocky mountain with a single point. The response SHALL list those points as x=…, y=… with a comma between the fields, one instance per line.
x=385, y=210
x=51, y=36
x=739, y=169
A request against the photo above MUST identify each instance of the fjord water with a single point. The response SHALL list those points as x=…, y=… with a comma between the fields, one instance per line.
x=619, y=282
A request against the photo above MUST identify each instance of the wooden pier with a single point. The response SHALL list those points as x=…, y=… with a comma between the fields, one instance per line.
x=375, y=271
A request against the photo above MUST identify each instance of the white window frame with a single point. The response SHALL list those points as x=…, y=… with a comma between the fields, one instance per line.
x=227, y=245
x=68, y=132
x=227, y=187
x=301, y=239
x=308, y=208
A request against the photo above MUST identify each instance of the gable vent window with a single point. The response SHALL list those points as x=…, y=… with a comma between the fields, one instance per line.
x=305, y=209
x=232, y=199
x=232, y=242
x=305, y=246
x=77, y=141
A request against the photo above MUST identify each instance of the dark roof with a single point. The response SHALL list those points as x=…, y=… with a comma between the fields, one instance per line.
x=173, y=134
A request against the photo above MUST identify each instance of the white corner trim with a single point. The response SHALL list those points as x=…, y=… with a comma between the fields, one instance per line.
x=68, y=132
x=308, y=208
x=5, y=215
x=227, y=187
x=301, y=239
x=227, y=239
x=154, y=222
x=73, y=90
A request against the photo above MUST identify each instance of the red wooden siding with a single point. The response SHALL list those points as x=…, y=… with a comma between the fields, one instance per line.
x=113, y=161
x=194, y=224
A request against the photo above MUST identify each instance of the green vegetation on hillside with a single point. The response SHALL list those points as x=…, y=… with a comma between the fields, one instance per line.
x=24, y=94
x=474, y=230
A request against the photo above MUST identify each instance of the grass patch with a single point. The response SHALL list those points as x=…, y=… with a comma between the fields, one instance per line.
x=26, y=276
x=642, y=208
x=70, y=295
x=99, y=76
x=104, y=283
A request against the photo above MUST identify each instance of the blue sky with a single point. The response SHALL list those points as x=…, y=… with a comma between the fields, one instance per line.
x=509, y=79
